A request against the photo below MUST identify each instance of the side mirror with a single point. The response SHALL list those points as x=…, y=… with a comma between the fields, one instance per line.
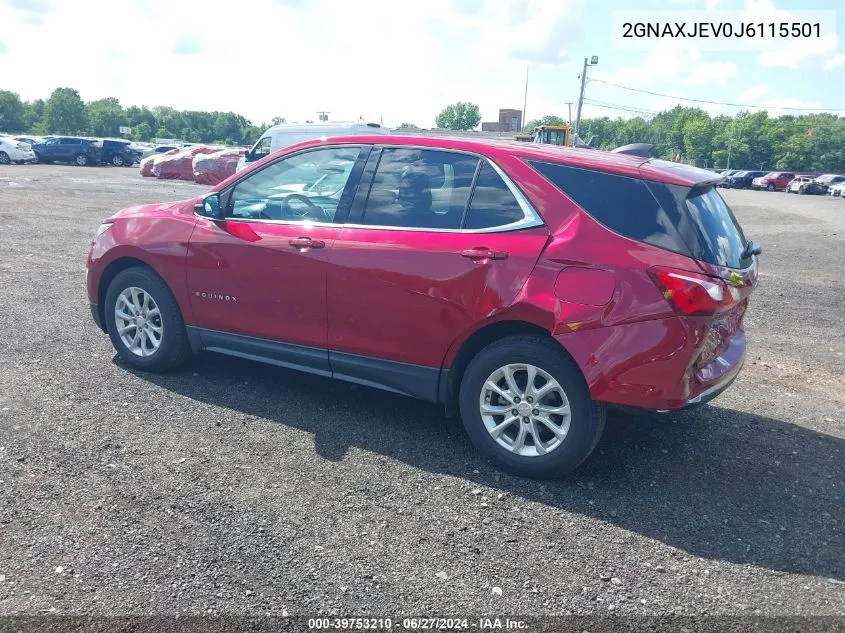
x=249, y=156
x=210, y=207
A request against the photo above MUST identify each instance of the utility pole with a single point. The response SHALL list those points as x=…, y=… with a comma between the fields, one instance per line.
x=569, y=105
x=323, y=116
x=593, y=61
x=524, y=100
x=729, y=155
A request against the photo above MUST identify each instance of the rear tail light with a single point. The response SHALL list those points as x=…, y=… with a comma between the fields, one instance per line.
x=694, y=294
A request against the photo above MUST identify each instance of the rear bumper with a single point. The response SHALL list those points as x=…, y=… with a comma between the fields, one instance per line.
x=650, y=364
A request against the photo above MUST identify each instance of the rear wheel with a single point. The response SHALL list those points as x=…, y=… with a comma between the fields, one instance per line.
x=144, y=321
x=4, y=158
x=524, y=404
x=117, y=160
x=80, y=160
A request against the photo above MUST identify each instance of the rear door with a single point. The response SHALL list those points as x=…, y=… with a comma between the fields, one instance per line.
x=438, y=241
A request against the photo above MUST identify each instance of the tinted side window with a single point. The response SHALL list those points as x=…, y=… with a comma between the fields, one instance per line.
x=622, y=204
x=417, y=188
x=492, y=203
x=69, y=141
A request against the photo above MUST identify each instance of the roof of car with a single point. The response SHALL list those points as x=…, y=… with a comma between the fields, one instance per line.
x=622, y=164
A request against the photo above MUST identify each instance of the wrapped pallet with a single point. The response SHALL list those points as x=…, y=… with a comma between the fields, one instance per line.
x=178, y=165
x=209, y=169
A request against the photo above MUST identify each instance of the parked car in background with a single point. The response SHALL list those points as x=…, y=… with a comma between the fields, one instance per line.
x=118, y=152
x=280, y=136
x=825, y=181
x=798, y=184
x=160, y=149
x=726, y=174
x=68, y=149
x=14, y=151
x=743, y=179
x=837, y=191
x=31, y=140
x=773, y=181
x=524, y=285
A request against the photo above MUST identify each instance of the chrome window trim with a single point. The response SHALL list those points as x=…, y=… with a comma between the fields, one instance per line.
x=531, y=219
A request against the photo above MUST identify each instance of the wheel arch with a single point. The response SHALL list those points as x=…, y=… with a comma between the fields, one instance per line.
x=111, y=271
x=450, y=378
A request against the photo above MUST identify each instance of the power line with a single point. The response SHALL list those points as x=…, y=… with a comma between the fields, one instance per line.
x=726, y=103
x=618, y=106
x=816, y=125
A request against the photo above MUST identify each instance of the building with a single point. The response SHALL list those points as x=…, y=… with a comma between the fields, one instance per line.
x=509, y=121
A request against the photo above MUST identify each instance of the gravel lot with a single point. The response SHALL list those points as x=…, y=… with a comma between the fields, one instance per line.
x=235, y=488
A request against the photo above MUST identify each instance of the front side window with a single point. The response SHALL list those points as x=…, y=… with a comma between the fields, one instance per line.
x=303, y=187
x=419, y=188
x=262, y=148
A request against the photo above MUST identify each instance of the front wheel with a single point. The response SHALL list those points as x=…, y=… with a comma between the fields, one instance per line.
x=770, y=188
x=144, y=321
x=524, y=404
x=4, y=158
x=117, y=160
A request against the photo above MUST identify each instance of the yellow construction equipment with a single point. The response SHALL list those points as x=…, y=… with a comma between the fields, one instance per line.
x=523, y=137
x=553, y=135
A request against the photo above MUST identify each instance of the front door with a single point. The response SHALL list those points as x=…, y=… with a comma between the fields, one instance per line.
x=441, y=241
x=261, y=272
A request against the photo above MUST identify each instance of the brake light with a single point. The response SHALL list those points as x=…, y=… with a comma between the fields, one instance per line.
x=694, y=294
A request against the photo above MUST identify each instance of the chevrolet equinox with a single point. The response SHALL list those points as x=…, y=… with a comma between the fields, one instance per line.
x=524, y=286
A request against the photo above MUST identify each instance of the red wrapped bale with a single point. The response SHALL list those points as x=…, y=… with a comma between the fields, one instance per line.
x=209, y=169
x=148, y=163
x=178, y=166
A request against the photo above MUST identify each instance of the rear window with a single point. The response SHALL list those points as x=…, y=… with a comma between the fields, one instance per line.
x=695, y=222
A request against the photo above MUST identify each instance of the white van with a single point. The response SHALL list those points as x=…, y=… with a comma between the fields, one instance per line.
x=280, y=136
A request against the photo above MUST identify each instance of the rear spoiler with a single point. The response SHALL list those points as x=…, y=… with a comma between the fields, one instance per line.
x=635, y=149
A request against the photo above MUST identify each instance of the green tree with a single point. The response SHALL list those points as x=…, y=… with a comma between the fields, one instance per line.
x=64, y=112
x=459, y=116
x=698, y=135
x=142, y=132
x=549, y=119
x=12, y=112
x=106, y=116
x=33, y=114
x=279, y=120
x=408, y=126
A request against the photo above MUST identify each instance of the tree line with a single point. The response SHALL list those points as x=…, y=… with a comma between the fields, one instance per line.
x=64, y=112
x=806, y=142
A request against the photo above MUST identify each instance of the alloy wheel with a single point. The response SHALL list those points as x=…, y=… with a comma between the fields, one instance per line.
x=81, y=160
x=117, y=161
x=138, y=321
x=4, y=158
x=525, y=410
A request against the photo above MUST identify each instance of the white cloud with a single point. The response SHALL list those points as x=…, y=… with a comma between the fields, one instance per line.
x=835, y=62
x=753, y=93
x=712, y=73
x=792, y=52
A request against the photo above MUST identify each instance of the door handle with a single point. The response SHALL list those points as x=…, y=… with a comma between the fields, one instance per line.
x=482, y=252
x=306, y=242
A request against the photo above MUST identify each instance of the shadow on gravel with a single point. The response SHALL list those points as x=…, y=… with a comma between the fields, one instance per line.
x=717, y=483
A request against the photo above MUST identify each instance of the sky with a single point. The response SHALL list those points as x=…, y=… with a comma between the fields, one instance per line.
x=400, y=60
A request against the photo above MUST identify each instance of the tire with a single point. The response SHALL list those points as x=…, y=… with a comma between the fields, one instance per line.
x=117, y=160
x=81, y=160
x=770, y=187
x=586, y=422
x=174, y=348
x=4, y=158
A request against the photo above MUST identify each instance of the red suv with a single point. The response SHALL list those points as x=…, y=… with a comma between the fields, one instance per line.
x=524, y=285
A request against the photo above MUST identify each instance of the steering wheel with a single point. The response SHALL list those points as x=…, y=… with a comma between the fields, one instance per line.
x=312, y=208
